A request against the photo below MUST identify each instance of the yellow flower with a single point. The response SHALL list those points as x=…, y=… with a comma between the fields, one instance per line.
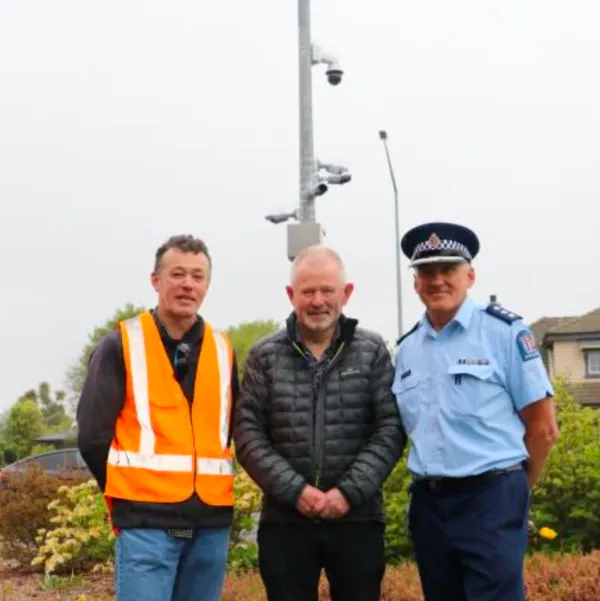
x=548, y=533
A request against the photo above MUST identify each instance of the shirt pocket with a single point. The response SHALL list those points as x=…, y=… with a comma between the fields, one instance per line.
x=409, y=396
x=471, y=386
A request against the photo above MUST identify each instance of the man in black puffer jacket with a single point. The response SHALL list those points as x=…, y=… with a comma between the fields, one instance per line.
x=318, y=429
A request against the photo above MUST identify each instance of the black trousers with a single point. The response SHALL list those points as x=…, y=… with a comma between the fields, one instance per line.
x=292, y=556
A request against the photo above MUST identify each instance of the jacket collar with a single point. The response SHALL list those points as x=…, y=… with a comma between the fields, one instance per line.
x=346, y=328
x=193, y=336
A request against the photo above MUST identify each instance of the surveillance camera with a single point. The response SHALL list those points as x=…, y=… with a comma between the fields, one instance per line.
x=334, y=71
x=280, y=217
x=336, y=169
x=275, y=219
x=320, y=189
x=334, y=74
x=339, y=178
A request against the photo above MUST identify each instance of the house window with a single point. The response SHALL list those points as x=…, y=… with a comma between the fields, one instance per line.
x=592, y=364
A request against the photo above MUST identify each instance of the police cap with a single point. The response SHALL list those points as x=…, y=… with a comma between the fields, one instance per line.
x=439, y=242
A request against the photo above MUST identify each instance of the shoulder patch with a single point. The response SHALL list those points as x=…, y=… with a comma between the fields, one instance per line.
x=411, y=331
x=527, y=346
x=499, y=312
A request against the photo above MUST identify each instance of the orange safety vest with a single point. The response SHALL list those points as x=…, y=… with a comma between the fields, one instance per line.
x=165, y=450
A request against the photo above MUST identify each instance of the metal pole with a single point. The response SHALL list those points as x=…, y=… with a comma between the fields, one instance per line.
x=383, y=136
x=306, y=211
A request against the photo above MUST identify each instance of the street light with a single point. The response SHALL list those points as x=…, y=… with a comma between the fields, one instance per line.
x=383, y=137
x=307, y=231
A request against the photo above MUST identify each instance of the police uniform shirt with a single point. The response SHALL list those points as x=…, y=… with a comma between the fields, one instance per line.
x=459, y=391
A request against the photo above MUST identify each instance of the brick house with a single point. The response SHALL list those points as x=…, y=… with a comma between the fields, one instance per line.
x=570, y=348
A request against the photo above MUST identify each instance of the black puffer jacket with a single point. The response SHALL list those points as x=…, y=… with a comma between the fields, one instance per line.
x=345, y=433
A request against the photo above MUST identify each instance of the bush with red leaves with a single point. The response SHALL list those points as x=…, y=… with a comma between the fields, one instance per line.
x=558, y=578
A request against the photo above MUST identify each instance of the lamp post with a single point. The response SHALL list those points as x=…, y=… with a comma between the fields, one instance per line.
x=307, y=231
x=384, y=137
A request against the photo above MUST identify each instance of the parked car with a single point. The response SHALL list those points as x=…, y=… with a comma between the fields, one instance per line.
x=66, y=463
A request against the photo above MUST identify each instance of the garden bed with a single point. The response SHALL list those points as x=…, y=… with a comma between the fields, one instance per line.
x=559, y=578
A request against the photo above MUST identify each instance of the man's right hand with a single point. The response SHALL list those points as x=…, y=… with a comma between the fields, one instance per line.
x=308, y=501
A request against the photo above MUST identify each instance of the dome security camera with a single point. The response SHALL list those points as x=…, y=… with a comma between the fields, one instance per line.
x=334, y=74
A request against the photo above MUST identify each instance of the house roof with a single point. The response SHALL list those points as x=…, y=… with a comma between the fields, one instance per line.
x=586, y=393
x=588, y=323
x=545, y=325
x=63, y=435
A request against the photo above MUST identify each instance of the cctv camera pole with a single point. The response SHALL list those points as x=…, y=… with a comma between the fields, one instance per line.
x=383, y=136
x=308, y=231
x=306, y=211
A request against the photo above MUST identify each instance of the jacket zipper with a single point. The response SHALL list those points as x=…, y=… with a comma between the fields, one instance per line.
x=318, y=422
x=314, y=460
x=320, y=427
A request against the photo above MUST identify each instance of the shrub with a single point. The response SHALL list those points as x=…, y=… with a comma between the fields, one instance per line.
x=567, y=497
x=81, y=536
x=398, y=545
x=562, y=578
x=567, y=577
x=243, y=553
x=24, y=501
x=76, y=533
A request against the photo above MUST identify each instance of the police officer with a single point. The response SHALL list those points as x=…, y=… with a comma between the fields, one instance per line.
x=477, y=405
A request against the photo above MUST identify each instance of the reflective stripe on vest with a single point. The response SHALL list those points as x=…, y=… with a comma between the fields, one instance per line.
x=156, y=416
x=170, y=463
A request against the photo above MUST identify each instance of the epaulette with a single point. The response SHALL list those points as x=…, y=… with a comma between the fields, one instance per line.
x=412, y=330
x=497, y=311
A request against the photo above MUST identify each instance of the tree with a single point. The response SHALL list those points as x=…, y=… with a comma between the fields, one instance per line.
x=23, y=425
x=35, y=412
x=246, y=334
x=53, y=410
x=76, y=373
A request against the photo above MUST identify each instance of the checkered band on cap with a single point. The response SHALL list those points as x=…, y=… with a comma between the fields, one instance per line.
x=440, y=245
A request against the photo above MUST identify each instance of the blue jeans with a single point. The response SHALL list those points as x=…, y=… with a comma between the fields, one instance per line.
x=153, y=566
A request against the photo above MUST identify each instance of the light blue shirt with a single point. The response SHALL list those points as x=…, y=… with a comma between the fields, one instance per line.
x=459, y=391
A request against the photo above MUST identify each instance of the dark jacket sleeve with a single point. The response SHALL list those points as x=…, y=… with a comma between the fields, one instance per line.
x=100, y=404
x=253, y=447
x=375, y=462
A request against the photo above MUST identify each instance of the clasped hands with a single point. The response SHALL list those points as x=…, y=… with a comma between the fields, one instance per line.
x=315, y=503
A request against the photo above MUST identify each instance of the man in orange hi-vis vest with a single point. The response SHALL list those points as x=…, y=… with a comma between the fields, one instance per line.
x=154, y=422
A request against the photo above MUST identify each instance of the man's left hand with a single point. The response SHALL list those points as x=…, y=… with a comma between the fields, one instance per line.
x=332, y=505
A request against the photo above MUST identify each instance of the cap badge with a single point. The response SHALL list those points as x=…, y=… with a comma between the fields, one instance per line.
x=433, y=241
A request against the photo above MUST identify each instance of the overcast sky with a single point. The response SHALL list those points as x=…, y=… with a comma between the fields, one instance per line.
x=122, y=123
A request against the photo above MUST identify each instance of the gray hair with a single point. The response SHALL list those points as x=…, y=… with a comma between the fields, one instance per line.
x=317, y=251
